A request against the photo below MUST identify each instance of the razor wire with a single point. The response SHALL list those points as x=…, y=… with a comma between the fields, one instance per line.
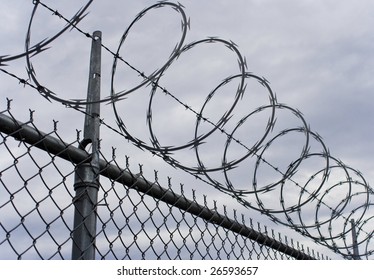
x=320, y=204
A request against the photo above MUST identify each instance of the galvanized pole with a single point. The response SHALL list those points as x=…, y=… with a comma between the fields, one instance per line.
x=356, y=254
x=86, y=183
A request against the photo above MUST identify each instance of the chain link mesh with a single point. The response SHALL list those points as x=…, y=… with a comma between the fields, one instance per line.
x=136, y=218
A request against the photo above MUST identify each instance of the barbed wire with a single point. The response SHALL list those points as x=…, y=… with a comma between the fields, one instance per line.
x=293, y=215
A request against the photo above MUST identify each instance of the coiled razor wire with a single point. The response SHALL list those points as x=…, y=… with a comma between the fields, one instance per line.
x=321, y=208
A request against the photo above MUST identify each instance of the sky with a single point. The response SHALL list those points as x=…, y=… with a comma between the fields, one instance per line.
x=316, y=55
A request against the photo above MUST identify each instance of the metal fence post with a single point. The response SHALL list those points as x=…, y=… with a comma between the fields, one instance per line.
x=86, y=184
x=356, y=254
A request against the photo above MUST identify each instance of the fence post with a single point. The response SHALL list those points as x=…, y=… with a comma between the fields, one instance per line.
x=86, y=184
x=356, y=254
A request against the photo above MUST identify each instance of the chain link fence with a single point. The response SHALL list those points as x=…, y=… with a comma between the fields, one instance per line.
x=136, y=218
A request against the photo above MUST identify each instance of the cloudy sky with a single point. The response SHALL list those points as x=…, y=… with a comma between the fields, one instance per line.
x=317, y=56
